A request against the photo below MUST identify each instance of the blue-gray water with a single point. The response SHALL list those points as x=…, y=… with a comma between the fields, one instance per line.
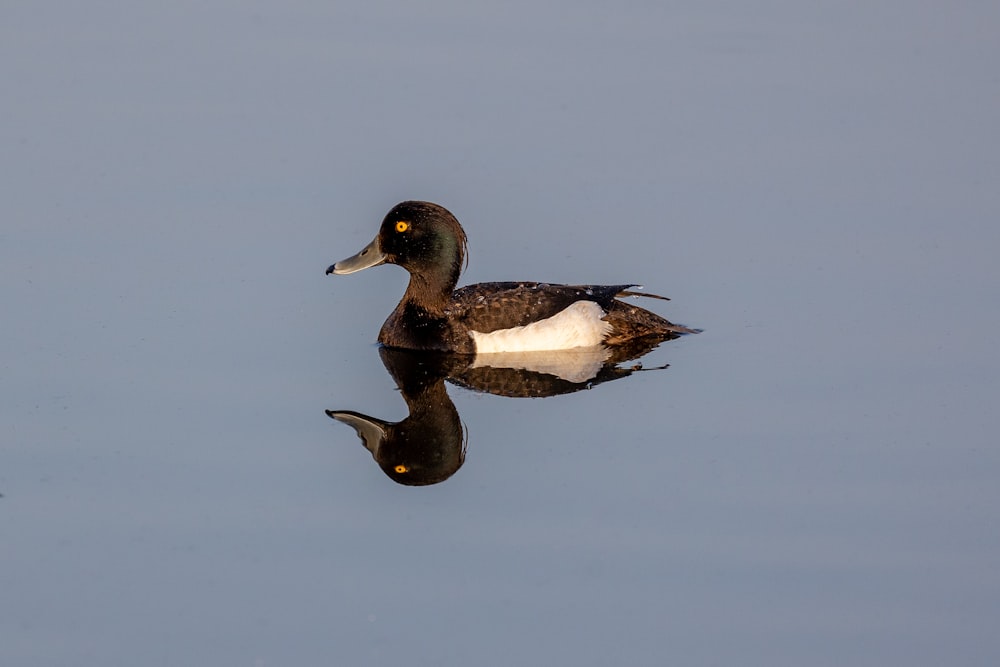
x=813, y=481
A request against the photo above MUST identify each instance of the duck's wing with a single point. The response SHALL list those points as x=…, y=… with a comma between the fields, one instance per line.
x=486, y=307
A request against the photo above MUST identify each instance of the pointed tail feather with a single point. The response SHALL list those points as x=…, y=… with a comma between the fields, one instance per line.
x=650, y=295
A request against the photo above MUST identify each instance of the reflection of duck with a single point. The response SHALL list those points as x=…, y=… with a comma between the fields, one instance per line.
x=429, y=445
x=427, y=241
x=549, y=373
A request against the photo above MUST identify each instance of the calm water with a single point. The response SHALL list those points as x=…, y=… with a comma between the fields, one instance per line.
x=813, y=480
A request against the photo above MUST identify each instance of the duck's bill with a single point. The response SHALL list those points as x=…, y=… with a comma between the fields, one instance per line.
x=371, y=431
x=372, y=255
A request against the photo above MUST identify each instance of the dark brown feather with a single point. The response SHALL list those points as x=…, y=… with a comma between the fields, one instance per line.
x=486, y=307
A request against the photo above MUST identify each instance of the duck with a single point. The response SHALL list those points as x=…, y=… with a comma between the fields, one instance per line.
x=427, y=240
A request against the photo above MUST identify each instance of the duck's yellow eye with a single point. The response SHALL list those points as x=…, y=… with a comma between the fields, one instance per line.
x=401, y=468
x=402, y=226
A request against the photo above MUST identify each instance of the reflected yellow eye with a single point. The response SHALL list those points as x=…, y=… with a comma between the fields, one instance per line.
x=401, y=468
x=402, y=226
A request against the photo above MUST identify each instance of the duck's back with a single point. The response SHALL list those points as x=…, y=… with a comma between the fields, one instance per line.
x=519, y=316
x=487, y=307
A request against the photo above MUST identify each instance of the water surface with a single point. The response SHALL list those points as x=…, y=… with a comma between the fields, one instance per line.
x=812, y=480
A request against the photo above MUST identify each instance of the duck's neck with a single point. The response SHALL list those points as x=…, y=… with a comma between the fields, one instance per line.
x=430, y=291
x=431, y=285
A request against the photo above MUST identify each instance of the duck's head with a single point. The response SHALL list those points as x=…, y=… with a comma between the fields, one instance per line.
x=423, y=238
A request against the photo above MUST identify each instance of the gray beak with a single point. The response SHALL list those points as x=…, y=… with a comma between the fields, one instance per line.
x=371, y=431
x=372, y=255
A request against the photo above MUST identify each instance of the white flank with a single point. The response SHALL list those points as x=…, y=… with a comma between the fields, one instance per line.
x=578, y=364
x=580, y=325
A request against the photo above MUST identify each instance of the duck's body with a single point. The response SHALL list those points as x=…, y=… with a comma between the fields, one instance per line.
x=429, y=243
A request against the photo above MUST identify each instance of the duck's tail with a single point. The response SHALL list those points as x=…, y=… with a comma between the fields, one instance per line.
x=630, y=322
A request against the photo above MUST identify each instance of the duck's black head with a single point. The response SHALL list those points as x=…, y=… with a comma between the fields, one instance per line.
x=423, y=238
